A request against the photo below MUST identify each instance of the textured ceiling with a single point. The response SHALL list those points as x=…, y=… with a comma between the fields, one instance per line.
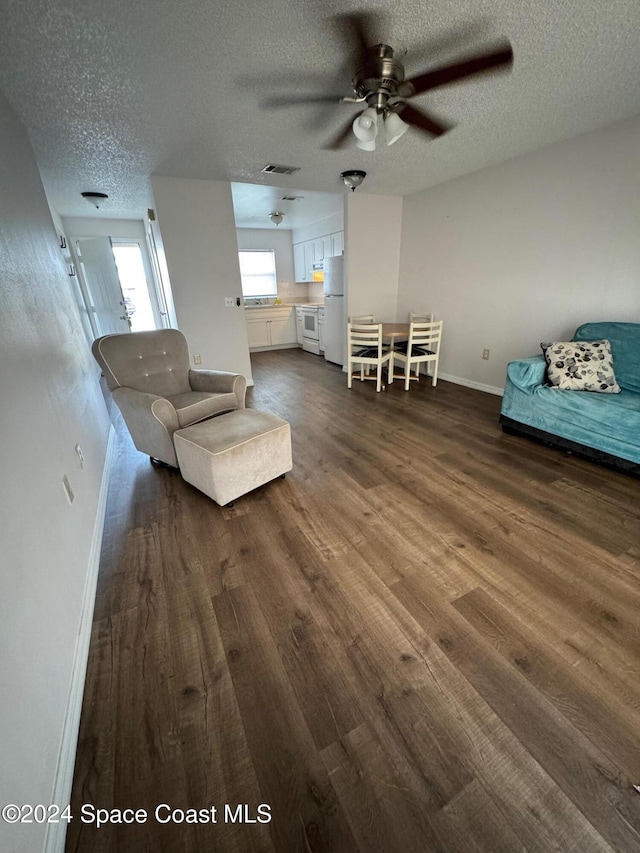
x=114, y=91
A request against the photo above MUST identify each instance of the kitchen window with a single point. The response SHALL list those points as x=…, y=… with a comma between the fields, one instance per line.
x=258, y=273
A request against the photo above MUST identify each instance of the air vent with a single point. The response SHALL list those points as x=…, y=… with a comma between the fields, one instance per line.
x=274, y=169
x=291, y=197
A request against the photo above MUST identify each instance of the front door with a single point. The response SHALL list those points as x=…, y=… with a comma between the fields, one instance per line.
x=108, y=307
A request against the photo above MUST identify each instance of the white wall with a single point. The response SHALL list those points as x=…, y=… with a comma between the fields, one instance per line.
x=526, y=251
x=196, y=219
x=50, y=400
x=373, y=225
x=280, y=242
x=91, y=226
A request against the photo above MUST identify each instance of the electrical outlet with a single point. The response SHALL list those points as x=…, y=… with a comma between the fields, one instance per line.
x=80, y=455
x=485, y=354
x=197, y=359
x=66, y=485
x=228, y=302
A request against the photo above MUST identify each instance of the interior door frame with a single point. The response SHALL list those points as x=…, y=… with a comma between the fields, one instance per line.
x=158, y=314
x=162, y=316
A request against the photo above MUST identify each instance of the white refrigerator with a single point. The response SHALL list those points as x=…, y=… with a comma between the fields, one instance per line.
x=335, y=322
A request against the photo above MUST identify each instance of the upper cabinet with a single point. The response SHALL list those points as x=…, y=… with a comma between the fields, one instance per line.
x=299, y=264
x=311, y=252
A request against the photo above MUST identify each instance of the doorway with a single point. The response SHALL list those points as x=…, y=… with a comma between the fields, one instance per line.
x=135, y=288
x=118, y=286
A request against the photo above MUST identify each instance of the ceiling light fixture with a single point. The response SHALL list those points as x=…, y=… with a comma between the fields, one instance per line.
x=394, y=127
x=352, y=178
x=365, y=129
x=276, y=217
x=96, y=199
x=367, y=125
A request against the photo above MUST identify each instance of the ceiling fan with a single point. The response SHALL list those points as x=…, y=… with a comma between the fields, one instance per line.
x=379, y=83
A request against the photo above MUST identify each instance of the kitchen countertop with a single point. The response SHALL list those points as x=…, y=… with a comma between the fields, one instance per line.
x=282, y=305
x=288, y=305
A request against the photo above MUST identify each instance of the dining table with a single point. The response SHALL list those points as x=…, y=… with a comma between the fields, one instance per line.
x=395, y=330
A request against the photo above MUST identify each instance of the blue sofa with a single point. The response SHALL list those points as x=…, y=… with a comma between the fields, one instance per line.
x=602, y=427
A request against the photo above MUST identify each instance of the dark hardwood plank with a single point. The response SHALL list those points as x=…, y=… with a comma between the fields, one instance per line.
x=292, y=778
x=577, y=699
x=600, y=789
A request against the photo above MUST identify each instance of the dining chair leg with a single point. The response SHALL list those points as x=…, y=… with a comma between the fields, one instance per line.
x=379, y=377
x=407, y=374
x=390, y=370
x=349, y=374
x=435, y=374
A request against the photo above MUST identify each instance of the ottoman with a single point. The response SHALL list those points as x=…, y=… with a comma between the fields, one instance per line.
x=229, y=455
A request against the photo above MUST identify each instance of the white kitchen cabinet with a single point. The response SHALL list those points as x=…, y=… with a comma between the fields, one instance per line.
x=299, y=326
x=283, y=330
x=311, y=252
x=258, y=333
x=303, y=260
x=299, y=264
x=271, y=328
x=308, y=259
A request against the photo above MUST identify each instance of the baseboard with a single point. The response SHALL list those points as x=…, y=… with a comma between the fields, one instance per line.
x=56, y=832
x=273, y=349
x=470, y=383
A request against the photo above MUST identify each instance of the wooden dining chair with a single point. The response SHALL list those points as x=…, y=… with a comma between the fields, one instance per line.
x=365, y=348
x=363, y=318
x=414, y=318
x=423, y=347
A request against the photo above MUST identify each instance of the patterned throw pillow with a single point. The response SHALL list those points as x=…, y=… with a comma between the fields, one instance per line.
x=581, y=366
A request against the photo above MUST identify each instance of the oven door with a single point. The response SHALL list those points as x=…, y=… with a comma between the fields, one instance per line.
x=310, y=323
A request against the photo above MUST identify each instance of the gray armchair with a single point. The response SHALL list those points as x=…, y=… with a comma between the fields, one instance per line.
x=152, y=384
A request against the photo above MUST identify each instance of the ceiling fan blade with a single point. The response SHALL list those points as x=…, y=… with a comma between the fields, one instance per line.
x=420, y=120
x=340, y=138
x=297, y=100
x=361, y=30
x=502, y=58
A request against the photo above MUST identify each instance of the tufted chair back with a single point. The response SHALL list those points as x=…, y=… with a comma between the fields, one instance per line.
x=153, y=362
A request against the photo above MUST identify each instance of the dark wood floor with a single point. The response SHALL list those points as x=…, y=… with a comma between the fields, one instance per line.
x=425, y=638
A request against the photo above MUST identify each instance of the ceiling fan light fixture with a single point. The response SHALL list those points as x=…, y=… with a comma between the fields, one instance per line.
x=365, y=126
x=276, y=217
x=96, y=199
x=352, y=178
x=394, y=127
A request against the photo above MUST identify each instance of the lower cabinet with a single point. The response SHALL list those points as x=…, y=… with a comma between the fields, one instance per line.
x=299, y=326
x=271, y=328
x=321, y=329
